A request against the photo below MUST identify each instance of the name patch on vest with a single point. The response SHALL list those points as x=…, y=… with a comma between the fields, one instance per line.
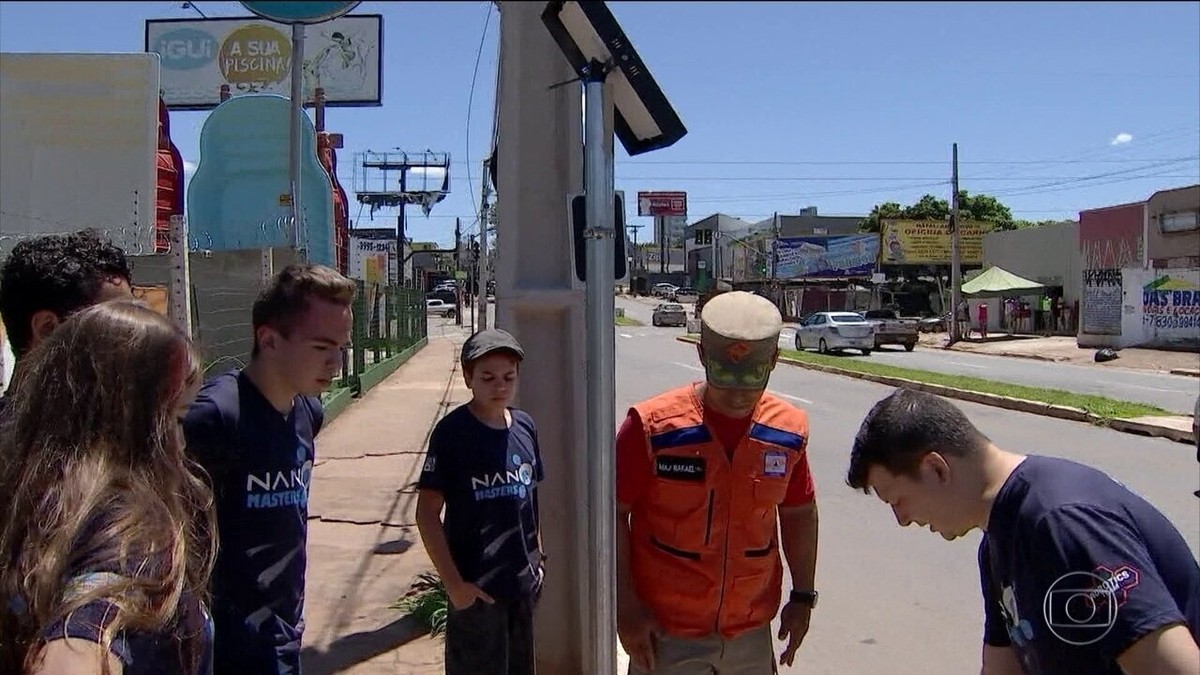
x=680, y=468
x=775, y=463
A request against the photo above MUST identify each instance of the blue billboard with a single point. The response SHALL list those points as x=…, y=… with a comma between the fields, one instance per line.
x=825, y=257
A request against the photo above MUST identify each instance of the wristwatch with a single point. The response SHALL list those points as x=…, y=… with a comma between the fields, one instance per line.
x=808, y=598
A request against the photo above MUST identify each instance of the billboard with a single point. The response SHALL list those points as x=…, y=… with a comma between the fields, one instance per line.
x=662, y=204
x=253, y=56
x=834, y=256
x=78, y=139
x=927, y=242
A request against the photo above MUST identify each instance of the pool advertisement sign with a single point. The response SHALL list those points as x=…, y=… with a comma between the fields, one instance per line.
x=253, y=56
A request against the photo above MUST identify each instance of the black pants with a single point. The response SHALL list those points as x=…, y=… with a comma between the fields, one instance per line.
x=495, y=639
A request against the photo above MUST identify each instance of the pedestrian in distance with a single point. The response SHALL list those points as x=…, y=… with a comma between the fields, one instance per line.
x=253, y=430
x=483, y=466
x=105, y=546
x=1080, y=576
x=707, y=475
x=47, y=278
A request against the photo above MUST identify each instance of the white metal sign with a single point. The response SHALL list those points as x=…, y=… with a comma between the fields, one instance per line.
x=78, y=139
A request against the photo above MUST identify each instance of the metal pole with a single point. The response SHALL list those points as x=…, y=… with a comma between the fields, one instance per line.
x=601, y=376
x=294, y=137
x=484, y=276
x=955, y=262
x=458, y=284
x=181, y=277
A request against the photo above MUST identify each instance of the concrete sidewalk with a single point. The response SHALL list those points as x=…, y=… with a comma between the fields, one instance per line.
x=363, y=548
x=1063, y=349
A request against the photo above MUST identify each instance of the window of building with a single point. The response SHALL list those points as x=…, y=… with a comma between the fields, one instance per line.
x=1184, y=221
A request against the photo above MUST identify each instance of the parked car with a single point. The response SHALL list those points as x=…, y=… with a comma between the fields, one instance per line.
x=663, y=290
x=669, y=314
x=835, y=331
x=890, y=329
x=436, y=307
x=685, y=294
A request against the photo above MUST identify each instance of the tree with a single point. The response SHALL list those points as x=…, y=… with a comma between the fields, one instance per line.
x=970, y=207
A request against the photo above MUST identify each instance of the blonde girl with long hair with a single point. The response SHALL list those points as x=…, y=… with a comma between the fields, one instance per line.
x=106, y=538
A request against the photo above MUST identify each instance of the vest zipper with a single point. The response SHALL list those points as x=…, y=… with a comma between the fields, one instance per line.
x=724, y=569
x=712, y=495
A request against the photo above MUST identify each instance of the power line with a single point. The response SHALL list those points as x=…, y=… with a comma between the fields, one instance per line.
x=487, y=20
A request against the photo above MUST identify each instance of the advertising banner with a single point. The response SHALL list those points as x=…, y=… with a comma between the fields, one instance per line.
x=927, y=242
x=253, y=56
x=834, y=256
x=662, y=204
x=372, y=259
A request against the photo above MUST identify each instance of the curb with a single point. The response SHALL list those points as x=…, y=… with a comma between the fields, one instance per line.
x=1017, y=404
x=1187, y=372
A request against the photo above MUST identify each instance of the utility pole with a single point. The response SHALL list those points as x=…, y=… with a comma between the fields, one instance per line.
x=458, y=266
x=660, y=223
x=637, y=252
x=483, y=247
x=775, y=258
x=955, y=254
x=472, y=276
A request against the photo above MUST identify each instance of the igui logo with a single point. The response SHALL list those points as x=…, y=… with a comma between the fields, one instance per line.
x=515, y=481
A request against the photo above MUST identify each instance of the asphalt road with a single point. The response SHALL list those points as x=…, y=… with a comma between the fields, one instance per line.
x=893, y=600
x=1175, y=393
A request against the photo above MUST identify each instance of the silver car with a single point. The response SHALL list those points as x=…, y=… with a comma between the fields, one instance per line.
x=835, y=331
x=669, y=314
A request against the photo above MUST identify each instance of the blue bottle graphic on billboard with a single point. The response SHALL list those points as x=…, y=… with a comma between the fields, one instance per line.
x=239, y=198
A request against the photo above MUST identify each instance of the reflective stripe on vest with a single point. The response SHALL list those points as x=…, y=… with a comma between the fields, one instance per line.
x=703, y=553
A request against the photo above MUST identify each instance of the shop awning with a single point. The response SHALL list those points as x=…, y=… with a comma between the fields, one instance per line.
x=996, y=281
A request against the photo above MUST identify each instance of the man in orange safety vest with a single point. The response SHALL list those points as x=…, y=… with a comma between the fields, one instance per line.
x=712, y=481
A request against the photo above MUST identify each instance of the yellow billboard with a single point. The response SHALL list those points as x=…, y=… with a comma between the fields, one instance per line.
x=927, y=242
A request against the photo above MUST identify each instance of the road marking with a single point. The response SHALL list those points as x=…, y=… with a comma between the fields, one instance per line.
x=1138, y=386
x=625, y=335
x=794, y=398
x=964, y=364
x=688, y=366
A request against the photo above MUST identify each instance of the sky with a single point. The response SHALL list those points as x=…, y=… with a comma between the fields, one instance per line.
x=1056, y=107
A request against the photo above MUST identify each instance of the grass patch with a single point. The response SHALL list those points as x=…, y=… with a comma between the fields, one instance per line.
x=427, y=602
x=628, y=321
x=1100, y=406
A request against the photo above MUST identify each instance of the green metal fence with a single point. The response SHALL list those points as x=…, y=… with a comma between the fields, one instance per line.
x=390, y=324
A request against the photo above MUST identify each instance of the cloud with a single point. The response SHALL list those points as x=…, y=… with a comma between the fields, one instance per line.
x=1121, y=138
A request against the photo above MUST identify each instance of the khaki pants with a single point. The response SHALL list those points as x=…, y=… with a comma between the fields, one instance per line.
x=750, y=653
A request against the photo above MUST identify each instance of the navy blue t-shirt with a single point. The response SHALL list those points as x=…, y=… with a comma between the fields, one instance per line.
x=140, y=652
x=260, y=461
x=1075, y=569
x=489, y=479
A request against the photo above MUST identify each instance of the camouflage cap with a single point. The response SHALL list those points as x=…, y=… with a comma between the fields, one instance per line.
x=739, y=335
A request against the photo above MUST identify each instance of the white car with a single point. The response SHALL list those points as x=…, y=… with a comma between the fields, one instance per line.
x=435, y=307
x=835, y=331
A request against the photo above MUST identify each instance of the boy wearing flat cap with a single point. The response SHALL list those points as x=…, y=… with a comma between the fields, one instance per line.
x=483, y=465
x=703, y=473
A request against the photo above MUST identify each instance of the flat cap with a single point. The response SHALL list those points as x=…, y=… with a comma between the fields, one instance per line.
x=739, y=336
x=491, y=340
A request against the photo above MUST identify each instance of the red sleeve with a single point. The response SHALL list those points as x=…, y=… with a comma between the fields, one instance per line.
x=800, y=490
x=633, y=461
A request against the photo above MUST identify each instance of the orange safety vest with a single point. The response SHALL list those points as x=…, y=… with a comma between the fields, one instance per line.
x=703, y=553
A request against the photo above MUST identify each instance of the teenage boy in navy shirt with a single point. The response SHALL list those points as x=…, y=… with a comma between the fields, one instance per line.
x=483, y=466
x=1079, y=575
x=252, y=430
